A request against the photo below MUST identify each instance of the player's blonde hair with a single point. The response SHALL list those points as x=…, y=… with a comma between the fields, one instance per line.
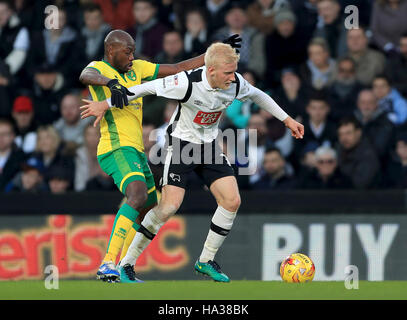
x=220, y=53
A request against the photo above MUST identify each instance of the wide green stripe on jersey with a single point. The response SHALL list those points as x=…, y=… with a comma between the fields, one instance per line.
x=111, y=125
x=114, y=134
x=154, y=76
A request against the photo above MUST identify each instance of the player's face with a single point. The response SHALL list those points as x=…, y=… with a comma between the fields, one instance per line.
x=123, y=57
x=223, y=75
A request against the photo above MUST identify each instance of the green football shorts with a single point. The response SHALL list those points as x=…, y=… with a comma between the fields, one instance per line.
x=125, y=165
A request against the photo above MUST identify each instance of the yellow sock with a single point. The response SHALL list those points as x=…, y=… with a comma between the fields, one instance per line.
x=122, y=225
x=127, y=242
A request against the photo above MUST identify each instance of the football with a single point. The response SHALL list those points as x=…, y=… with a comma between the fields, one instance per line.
x=297, y=267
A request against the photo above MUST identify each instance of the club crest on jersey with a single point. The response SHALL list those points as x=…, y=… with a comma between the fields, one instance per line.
x=132, y=75
x=207, y=118
x=175, y=177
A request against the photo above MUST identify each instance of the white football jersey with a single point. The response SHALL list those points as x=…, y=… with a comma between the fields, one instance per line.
x=200, y=106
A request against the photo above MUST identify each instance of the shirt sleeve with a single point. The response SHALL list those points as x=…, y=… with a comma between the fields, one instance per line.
x=149, y=71
x=264, y=101
x=245, y=89
x=93, y=65
x=172, y=87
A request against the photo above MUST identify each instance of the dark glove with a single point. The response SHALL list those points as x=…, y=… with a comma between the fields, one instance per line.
x=234, y=41
x=119, y=94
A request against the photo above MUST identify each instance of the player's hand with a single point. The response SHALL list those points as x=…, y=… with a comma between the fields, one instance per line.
x=234, y=41
x=297, y=129
x=119, y=93
x=94, y=108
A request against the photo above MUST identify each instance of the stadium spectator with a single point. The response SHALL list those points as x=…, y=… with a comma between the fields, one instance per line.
x=306, y=160
x=388, y=22
x=326, y=174
x=390, y=100
x=375, y=124
x=396, y=171
x=236, y=23
x=196, y=35
x=94, y=32
x=317, y=127
x=307, y=16
x=291, y=44
x=268, y=135
x=173, y=48
x=14, y=38
x=117, y=13
x=278, y=133
x=292, y=94
x=318, y=71
x=11, y=157
x=276, y=174
x=30, y=179
x=260, y=14
x=147, y=32
x=70, y=127
x=396, y=67
x=62, y=48
x=23, y=115
x=369, y=62
x=48, y=90
x=357, y=158
x=331, y=27
x=255, y=151
x=6, y=88
x=215, y=12
x=59, y=180
x=50, y=151
x=88, y=174
x=344, y=89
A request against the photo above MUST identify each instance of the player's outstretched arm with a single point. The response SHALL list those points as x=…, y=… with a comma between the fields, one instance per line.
x=193, y=63
x=99, y=108
x=267, y=103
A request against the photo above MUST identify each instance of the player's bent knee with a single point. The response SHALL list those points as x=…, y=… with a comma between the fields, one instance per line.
x=231, y=204
x=166, y=211
x=137, y=200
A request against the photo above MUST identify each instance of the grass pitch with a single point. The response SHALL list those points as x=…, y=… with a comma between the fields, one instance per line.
x=202, y=290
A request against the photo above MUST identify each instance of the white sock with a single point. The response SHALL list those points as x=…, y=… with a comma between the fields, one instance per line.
x=152, y=223
x=221, y=224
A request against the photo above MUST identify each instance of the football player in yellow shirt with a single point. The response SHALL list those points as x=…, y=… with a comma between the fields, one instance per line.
x=120, y=150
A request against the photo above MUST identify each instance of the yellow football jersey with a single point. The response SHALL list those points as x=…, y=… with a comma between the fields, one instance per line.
x=122, y=127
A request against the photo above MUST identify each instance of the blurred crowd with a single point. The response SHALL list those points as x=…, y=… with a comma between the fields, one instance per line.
x=347, y=85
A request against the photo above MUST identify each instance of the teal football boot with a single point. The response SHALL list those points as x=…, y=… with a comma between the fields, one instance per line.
x=127, y=274
x=211, y=269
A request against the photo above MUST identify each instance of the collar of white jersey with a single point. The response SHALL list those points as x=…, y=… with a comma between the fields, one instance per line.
x=205, y=82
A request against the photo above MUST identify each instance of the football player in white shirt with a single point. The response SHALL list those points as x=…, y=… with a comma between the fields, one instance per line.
x=203, y=95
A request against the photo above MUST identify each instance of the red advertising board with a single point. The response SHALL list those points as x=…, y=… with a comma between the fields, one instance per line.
x=77, y=249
